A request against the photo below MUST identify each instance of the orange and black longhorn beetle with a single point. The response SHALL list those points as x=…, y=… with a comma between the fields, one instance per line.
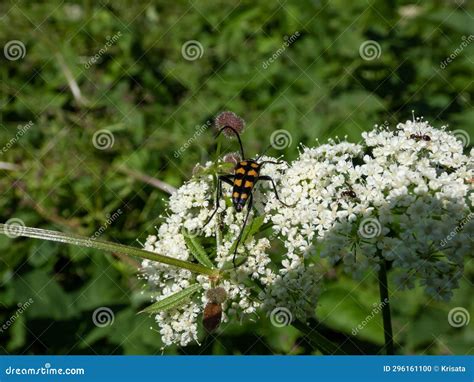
x=245, y=177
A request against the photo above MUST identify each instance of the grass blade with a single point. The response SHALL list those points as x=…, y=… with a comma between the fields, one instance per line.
x=107, y=246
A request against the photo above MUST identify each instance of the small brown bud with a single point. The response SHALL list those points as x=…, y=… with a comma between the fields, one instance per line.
x=216, y=295
x=233, y=158
x=212, y=316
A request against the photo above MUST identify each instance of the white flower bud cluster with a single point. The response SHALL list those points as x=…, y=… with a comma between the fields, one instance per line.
x=246, y=286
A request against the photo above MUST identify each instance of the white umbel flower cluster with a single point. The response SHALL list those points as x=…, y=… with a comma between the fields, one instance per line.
x=402, y=195
x=257, y=283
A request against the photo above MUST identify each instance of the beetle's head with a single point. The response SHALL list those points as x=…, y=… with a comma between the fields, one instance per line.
x=239, y=204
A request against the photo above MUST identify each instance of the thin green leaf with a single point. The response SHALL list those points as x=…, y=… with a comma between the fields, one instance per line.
x=256, y=224
x=317, y=339
x=173, y=301
x=265, y=226
x=249, y=231
x=197, y=249
x=108, y=246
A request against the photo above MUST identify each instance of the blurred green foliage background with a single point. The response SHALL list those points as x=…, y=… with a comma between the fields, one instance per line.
x=143, y=90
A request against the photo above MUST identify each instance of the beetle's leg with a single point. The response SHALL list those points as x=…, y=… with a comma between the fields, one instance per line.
x=264, y=177
x=249, y=208
x=271, y=162
x=221, y=178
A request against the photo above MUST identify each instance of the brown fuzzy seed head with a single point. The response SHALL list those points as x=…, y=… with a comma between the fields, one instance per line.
x=228, y=118
x=216, y=295
x=198, y=169
x=233, y=158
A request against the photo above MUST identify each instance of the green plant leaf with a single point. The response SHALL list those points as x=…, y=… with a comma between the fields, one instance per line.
x=45, y=296
x=172, y=301
x=108, y=246
x=317, y=339
x=197, y=249
x=249, y=231
x=265, y=226
x=239, y=260
x=257, y=222
x=354, y=312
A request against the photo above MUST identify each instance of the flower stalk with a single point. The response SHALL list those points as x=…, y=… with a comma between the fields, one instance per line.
x=318, y=340
x=108, y=246
x=385, y=303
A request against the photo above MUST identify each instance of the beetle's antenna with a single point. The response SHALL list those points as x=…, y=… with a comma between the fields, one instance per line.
x=264, y=151
x=270, y=161
x=237, y=135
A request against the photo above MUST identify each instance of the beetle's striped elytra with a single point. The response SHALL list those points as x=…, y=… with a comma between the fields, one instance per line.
x=245, y=176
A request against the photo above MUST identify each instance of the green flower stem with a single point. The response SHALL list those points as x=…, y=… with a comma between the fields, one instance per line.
x=108, y=246
x=386, y=315
x=317, y=339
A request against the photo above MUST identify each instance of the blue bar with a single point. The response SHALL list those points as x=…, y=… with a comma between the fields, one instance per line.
x=237, y=368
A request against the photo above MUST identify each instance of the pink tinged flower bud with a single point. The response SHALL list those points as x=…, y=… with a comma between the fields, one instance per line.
x=233, y=158
x=228, y=118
